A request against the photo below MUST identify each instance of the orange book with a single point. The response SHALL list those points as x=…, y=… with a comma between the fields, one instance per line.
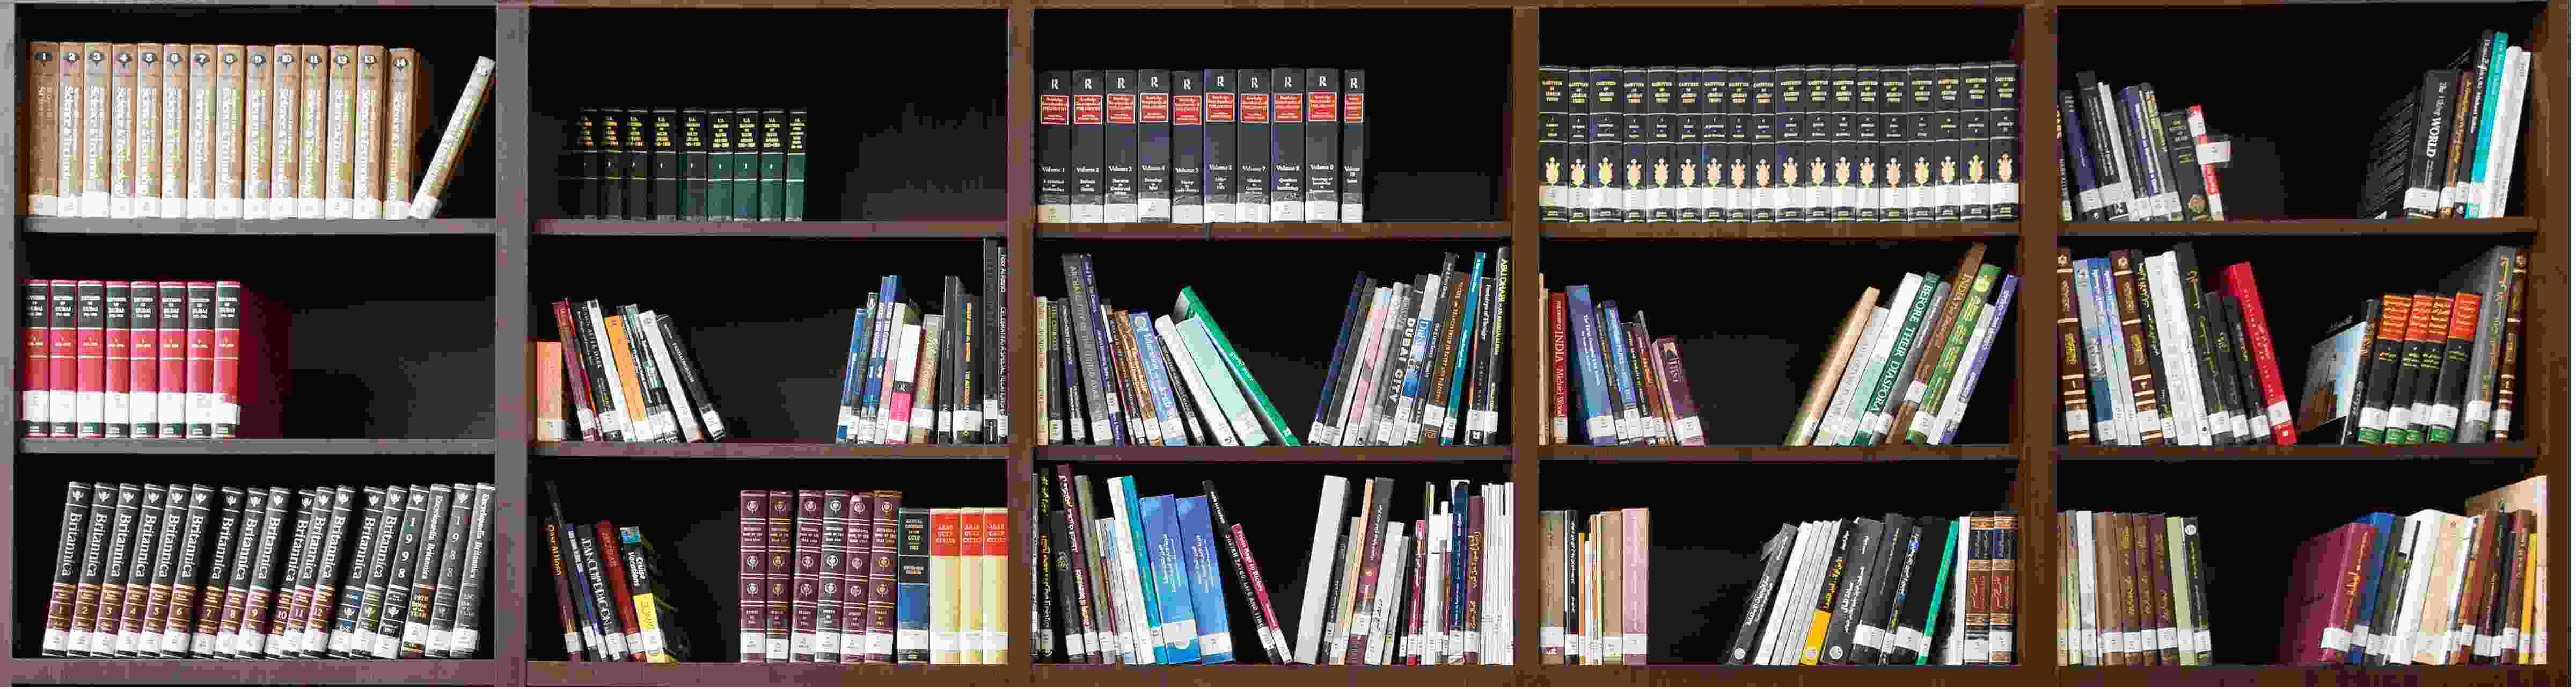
x=544, y=363
x=630, y=392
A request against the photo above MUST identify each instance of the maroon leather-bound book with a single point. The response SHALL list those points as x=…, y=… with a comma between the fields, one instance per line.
x=585, y=417
x=2331, y=582
x=35, y=393
x=881, y=577
x=119, y=369
x=809, y=571
x=624, y=597
x=172, y=358
x=64, y=379
x=858, y=529
x=753, y=580
x=827, y=602
x=779, y=603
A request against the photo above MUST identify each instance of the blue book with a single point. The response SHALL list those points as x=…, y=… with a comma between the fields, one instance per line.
x=1123, y=490
x=1458, y=506
x=854, y=370
x=1417, y=365
x=2097, y=373
x=1598, y=418
x=1100, y=347
x=1353, y=320
x=1149, y=352
x=912, y=587
x=1207, y=593
x=2113, y=344
x=1171, y=581
x=1466, y=337
x=2088, y=191
x=2366, y=605
x=1623, y=383
x=870, y=395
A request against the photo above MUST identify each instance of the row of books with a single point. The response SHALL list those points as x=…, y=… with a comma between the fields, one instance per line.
x=1419, y=363
x=1595, y=588
x=915, y=378
x=1807, y=143
x=1117, y=370
x=1868, y=591
x=151, y=130
x=2431, y=367
x=2133, y=161
x=630, y=376
x=2199, y=367
x=1907, y=370
x=2131, y=590
x=136, y=577
x=1194, y=146
x=140, y=359
x=687, y=164
x=2446, y=148
x=1627, y=385
x=617, y=578
x=840, y=576
x=1137, y=583
x=2430, y=588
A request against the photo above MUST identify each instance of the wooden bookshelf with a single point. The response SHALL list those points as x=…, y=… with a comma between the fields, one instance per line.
x=441, y=398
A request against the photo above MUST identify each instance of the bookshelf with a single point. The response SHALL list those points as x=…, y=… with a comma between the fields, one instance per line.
x=1453, y=175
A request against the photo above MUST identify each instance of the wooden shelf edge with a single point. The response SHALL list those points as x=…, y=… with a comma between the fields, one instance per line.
x=763, y=450
x=279, y=446
x=856, y=229
x=590, y=674
x=1776, y=454
x=1262, y=675
x=2315, y=676
x=2511, y=450
x=270, y=672
x=1308, y=454
x=2492, y=226
x=1780, y=230
x=1364, y=230
x=292, y=227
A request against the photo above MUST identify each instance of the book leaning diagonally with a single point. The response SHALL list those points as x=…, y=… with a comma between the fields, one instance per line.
x=460, y=124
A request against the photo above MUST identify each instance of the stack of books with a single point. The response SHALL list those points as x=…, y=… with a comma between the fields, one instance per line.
x=2131, y=161
x=116, y=359
x=630, y=377
x=2131, y=590
x=687, y=164
x=1627, y=385
x=2430, y=588
x=1808, y=143
x=2445, y=149
x=1892, y=591
x=151, y=130
x=1195, y=146
x=1906, y=370
x=136, y=577
x=1595, y=588
x=938, y=378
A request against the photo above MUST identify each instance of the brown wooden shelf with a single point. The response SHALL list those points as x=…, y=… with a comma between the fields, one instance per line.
x=1777, y=454
x=282, y=446
x=2298, y=676
x=755, y=449
x=1778, y=230
x=1260, y=675
x=1713, y=674
x=1363, y=230
x=292, y=227
x=2515, y=450
x=2301, y=227
x=557, y=673
x=926, y=229
x=1305, y=454
x=26, y=671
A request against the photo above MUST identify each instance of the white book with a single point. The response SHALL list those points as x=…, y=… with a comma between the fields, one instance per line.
x=1955, y=406
x=2508, y=131
x=1791, y=644
x=2413, y=533
x=1830, y=429
x=1883, y=354
x=2097, y=642
x=2182, y=379
x=1958, y=647
x=451, y=143
x=1497, y=536
x=1766, y=645
x=684, y=413
x=1382, y=607
x=1200, y=395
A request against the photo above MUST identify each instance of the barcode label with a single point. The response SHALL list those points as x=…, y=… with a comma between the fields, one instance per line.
x=1597, y=427
x=1685, y=428
x=2335, y=639
x=1871, y=637
x=2276, y=414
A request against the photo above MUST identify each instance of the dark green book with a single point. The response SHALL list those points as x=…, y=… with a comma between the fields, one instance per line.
x=795, y=185
x=719, y=169
x=773, y=165
x=666, y=163
x=746, y=165
x=693, y=164
x=639, y=162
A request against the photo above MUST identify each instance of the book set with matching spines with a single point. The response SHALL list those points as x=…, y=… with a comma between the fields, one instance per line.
x=2434, y=366
x=227, y=573
x=1804, y=143
x=226, y=131
x=1625, y=384
x=687, y=164
x=852, y=577
x=2132, y=590
x=623, y=374
x=2124, y=159
x=1594, y=584
x=2428, y=588
x=1905, y=371
x=1135, y=580
x=1189, y=146
x=2446, y=148
x=1893, y=590
x=942, y=378
x=113, y=359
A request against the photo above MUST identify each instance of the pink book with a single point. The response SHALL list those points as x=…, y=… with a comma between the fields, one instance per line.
x=1632, y=586
x=899, y=374
x=1260, y=591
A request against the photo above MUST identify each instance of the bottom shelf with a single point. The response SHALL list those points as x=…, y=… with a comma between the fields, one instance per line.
x=588, y=674
x=37, y=671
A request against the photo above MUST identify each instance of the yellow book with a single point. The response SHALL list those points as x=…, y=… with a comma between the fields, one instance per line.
x=944, y=526
x=997, y=554
x=969, y=586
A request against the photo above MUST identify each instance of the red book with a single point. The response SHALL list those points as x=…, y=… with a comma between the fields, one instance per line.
x=574, y=371
x=2330, y=581
x=1556, y=368
x=34, y=398
x=228, y=353
x=201, y=360
x=808, y=572
x=563, y=590
x=143, y=360
x=92, y=375
x=857, y=530
x=1260, y=590
x=2267, y=368
x=173, y=361
x=778, y=629
x=1421, y=572
x=754, y=520
x=616, y=575
x=118, y=373
x=64, y=378
x=997, y=555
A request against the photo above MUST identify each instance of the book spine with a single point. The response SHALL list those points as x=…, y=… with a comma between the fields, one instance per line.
x=143, y=359
x=639, y=579
x=1154, y=145
x=135, y=640
x=807, y=577
x=326, y=577
x=118, y=365
x=774, y=135
x=792, y=161
x=661, y=172
x=1119, y=152
x=1220, y=147
x=367, y=134
x=1989, y=327
x=2258, y=332
x=1189, y=148
x=2456, y=332
x=338, y=626
x=405, y=89
x=66, y=174
x=1055, y=147
x=98, y=102
x=122, y=77
x=858, y=533
x=913, y=641
x=433, y=584
x=451, y=141
x=62, y=597
x=2502, y=425
x=39, y=157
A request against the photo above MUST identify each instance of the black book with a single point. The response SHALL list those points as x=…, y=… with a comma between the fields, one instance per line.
x=1490, y=378
x=638, y=150
x=295, y=580
x=1859, y=562
x=1119, y=86
x=1895, y=138
x=395, y=612
x=912, y=570
x=1354, y=157
x=1608, y=183
x=120, y=563
x=602, y=598
x=247, y=549
x=1738, y=195
x=1866, y=124
x=1788, y=182
x=428, y=583
x=2248, y=388
x=612, y=162
x=952, y=352
x=1055, y=146
x=1551, y=142
x=1323, y=145
x=2151, y=340
x=1976, y=164
x=2418, y=369
x=341, y=623
x=1059, y=561
x=1684, y=185
x=1948, y=136
x=584, y=170
x=1820, y=144
x=1913, y=630
x=2214, y=400
x=1842, y=197
x=2424, y=160
x=1775, y=558
x=694, y=166
x=1907, y=543
x=1189, y=143
x=467, y=625
x=995, y=320
x=774, y=200
x=2227, y=374
x=1220, y=175
x=2100, y=129
x=1252, y=149
x=1153, y=145
x=1090, y=142
x=1868, y=628
x=1573, y=196
x=1657, y=165
x=723, y=176
x=184, y=546
x=383, y=540
x=1065, y=404
x=748, y=204
x=214, y=582
x=1708, y=145
x=2183, y=159
x=1082, y=307
x=666, y=164
x=1327, y=426
x=326, y=580
x=1342, y=545
x=270, y=567
x=1287, y=145
x=1764, y=149
x=2003, y=141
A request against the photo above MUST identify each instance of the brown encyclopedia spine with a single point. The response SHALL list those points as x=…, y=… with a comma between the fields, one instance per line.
x=2503, y=424
x=780, y=603
x=2074, y=400
x=753, y=578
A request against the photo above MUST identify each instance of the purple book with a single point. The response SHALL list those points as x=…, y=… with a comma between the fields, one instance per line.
x=1958, y=410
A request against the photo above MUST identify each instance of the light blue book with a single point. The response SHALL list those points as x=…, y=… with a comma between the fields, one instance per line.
x=1149, y=352
x=1615, y=337
x=1171, y=581
x=1123, y=489
x=871, y=398
x=854, y=370
x=1207, y=592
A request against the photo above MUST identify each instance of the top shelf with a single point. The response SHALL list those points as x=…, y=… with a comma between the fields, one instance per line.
x=296, y=227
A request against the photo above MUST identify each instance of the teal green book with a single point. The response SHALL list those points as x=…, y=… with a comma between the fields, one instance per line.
x=1928, y=415
x=1229, y=399
x=746, y=165
x=773, y=165
x=1932, y=621
x=1189, y=308
x=719, y=170
x=692, y=165
x=795, y=182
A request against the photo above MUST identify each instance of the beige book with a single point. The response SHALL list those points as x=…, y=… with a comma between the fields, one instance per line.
x=147, y=130
x=44, y=82
x=926, y=378
x=258, y=79
x=451, y=143
x=67, y=129
x=997, y=558
x=312, y=129
x=95, y=105
x=970, y=586
x=176, y=129
x=406, y=80
x=121, y=74
x=231, y=76
x=545, y=363
x=201, y=131
x=944, y=526
x=1338, y=630
x=2440, y=603
x=1614, y=622
x=285, y=98
x=367, y=136
x=340, y=132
